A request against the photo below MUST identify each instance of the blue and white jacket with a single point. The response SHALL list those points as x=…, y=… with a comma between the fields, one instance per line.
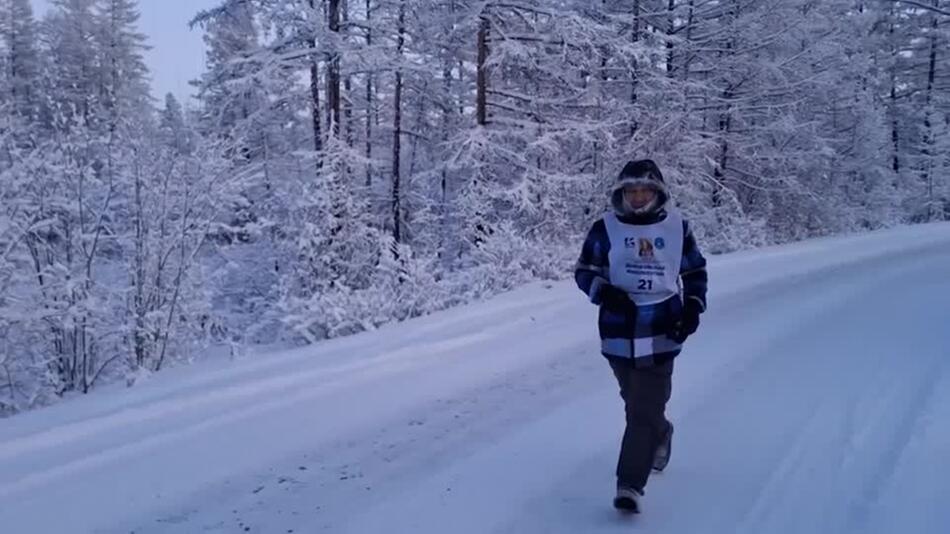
x=620, y=329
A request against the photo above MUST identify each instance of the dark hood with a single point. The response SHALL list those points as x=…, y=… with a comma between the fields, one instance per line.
x=640, y=172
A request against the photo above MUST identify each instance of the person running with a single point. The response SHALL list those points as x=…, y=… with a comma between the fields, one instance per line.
x=640, y=263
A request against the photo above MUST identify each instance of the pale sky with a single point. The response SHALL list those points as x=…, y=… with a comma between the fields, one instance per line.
x=177, y=53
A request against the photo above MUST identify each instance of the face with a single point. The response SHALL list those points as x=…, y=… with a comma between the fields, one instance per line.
x=638, y=196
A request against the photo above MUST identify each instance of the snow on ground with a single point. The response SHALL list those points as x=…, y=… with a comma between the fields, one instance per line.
x=814, y=399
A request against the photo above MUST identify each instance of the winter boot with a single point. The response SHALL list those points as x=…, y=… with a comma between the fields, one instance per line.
x=662, y=456
x=628, y=499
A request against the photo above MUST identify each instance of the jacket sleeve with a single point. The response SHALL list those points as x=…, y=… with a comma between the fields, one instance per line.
x=592, y=270
x=693, y=269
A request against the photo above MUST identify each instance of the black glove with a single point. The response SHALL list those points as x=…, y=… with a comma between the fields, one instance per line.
x=688, y=323
x=615, y=298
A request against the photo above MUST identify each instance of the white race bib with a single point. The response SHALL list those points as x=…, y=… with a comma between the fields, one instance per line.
x=645, y=259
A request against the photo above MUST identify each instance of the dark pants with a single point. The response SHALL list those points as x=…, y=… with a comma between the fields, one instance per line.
x=645, y=392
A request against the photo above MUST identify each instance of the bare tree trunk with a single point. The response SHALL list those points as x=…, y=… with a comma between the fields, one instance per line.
x=397, y=128
x=348, y=111
x=635, y=76
x=162, y=341
x=370, y=100
x=930, y=139
x=447, y=110
x=596, y=148
x=139, y=301
x=725, y=126
x=347, y=88
x=481, y=82
x=333, y=71
x=725, y=116
x=895, y=135
x=84, y=378
x=670, y=29
x=315, y=96
x=687, y=54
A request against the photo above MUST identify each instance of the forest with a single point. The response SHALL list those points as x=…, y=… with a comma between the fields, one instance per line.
x=343, y=164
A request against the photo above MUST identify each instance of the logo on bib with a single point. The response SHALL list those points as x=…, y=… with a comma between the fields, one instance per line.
x=659, y=243
x=646, y=248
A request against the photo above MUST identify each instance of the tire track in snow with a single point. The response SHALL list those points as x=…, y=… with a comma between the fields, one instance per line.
x=725, y=374
x=904, y=416
x=798, y=477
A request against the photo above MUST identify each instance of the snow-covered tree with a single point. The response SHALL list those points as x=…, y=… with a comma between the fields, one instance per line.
x=351, y=162
x=21, y=60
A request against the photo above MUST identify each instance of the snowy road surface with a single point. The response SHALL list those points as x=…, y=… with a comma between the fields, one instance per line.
x=814, y=399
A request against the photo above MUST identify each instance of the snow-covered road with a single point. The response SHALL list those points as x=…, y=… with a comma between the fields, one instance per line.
x=814, y=399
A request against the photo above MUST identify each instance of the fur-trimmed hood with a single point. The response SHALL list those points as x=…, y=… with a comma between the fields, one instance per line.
x=640, y=172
